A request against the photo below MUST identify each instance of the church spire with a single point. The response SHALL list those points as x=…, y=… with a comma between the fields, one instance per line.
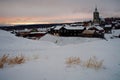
x=96, y=18
x=95, y=8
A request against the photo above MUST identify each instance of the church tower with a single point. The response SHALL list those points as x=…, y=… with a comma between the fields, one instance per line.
x=96, y=18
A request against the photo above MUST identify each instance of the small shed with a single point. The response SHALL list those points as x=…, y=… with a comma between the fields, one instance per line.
x=117, y=26
x=36, y=35
x=92, y=33
x=96, y=28
x=108, y=28
x=88, y=33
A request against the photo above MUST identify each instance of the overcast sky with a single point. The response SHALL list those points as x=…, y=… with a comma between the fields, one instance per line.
x=52, y=11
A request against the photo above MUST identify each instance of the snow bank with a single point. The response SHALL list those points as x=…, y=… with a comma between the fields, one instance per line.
x=114, y=34
x=66, y=40
x=12, y=44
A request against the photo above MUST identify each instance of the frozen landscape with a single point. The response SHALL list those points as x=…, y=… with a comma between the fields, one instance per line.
x=46, y=58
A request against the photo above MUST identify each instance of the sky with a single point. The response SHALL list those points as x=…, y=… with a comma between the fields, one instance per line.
x=54, y=11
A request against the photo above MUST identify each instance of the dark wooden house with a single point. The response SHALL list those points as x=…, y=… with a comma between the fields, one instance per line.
x=92, y=33
x=67, y=30
x=35, y=35
x=117, y=26
x=108, y=28
x=78, y=31
x=96, y=28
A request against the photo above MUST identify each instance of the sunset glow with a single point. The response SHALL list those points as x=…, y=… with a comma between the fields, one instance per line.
x=54, y=11
x=44, y=20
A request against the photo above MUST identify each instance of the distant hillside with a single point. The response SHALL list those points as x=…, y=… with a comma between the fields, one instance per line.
x=20, y=27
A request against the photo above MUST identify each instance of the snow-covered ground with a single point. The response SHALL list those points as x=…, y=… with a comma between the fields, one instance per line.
x=9, y=43
x=61, y=41
x=51, y=63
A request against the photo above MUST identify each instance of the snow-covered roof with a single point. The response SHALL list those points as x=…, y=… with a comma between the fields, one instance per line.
x=52, y=27
x=58, y=27
x=68, y=27
x=117, y=24
x=114, y=22
x=96, y=24
x=42, y=29
x=99, y=28
x=108, y=25
x=74, y=28
x=37, y=32
x=26, y=30
x=76, y=24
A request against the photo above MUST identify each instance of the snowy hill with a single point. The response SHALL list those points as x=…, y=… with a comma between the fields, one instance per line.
x=66, y=40
x=12, y=44
x=51, y=64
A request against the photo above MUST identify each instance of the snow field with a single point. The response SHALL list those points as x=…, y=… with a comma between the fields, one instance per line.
x=51, y=61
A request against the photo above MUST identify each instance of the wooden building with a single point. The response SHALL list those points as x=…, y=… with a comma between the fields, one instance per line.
x=67, y=30
x=96, y=28
x=92, y=33
x=108, y=28
x=78, y=31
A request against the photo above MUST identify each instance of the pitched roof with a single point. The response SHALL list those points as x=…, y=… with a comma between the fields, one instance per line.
x=69, y=27
x=99, y=28
x=58, y=27
x=74, y=28
x=37, y=32
x=109, y=25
